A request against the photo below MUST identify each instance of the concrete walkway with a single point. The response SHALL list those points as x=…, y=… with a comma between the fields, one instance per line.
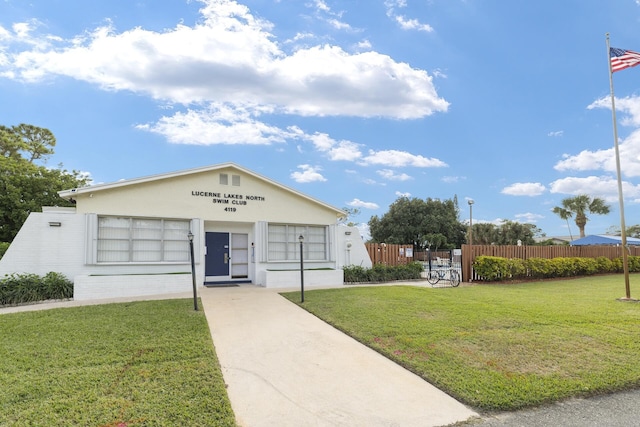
x=285, y=367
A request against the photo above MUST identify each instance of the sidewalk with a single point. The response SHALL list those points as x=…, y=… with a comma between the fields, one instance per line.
x=285, y=367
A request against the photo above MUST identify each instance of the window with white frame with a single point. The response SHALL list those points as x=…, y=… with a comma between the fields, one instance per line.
x=284, y=243
x=142, y=240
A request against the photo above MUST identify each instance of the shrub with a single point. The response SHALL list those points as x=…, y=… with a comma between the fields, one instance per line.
x=539, y=268
x=604, y=265
x=3, y=248
x=491, y=268
x=495, y=268
x=354, y=273
x=25, y=288
x=382, y=273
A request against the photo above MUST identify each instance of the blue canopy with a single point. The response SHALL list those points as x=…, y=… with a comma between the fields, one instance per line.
x=603, y=239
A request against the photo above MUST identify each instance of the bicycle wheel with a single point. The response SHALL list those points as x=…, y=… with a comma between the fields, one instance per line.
x=433, y=277
x=454, y=278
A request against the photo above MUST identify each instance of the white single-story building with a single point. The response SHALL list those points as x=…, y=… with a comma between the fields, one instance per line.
x=131, y=237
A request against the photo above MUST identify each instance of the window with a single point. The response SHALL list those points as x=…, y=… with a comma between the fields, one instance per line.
x=235, y=180
x=224, y=179
x=142, y=240
x=285, y=246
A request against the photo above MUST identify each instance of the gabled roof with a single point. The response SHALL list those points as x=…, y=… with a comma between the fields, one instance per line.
x=73, y=193
x=604, y=239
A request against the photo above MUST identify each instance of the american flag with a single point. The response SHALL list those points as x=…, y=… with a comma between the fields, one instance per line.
x=621, y=59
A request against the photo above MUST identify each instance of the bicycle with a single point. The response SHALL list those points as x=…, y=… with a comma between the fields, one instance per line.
x=450, y=274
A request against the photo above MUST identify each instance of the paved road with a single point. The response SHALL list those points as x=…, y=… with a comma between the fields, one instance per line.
x=613, y=410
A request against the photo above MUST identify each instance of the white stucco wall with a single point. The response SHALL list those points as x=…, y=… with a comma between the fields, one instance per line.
x=176, y=197
x=351, y=249
x=39, y=248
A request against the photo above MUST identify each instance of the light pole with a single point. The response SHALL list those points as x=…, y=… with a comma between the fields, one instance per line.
x=193, y=271
x=301, y=239
x=470, y=201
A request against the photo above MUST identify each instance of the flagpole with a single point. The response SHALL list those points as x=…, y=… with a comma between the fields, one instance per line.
x=623, y=228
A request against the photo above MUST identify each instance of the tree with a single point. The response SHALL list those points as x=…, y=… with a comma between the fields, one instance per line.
x=351, y=212
x=419, y=222
x=484, y=233
x=507, y=233
x=512, y=232
x=578, y=206
x=25, y=186
x=632, y=231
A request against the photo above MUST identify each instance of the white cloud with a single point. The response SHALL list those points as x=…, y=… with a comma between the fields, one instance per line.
x=219, y=124
x=397, y=158
x=404, y=22
x=336, y=150
x=452, y=179
x=556, y=133
x=401, y=194
x=605, y=160
x=230, y=56
x=627, y=109
x=524, y=189
x=412, y=24
x=308, y=174
x=392, y=176
x=357, y=203
x=605, y=187
x=528, y=217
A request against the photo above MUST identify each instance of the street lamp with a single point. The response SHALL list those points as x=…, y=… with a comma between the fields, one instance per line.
x=470, y=201
x=193, y=271
x=301, y=239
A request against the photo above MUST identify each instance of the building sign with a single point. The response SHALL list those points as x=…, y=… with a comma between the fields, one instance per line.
x=229, y=200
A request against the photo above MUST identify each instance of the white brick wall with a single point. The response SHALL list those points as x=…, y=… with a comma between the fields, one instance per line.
x=40, y=248
x=100, y=287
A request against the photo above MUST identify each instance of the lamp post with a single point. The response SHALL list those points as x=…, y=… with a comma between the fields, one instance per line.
x=193, y=271
x=471, y=202
x=301, y=239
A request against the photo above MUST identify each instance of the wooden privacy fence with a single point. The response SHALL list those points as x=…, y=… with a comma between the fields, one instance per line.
x=469, y=253
x=388, y=254
x=383, y=253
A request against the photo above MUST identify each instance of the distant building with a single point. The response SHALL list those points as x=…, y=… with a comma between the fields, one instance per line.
x=130, y=237
x=604, y=239
x=556, y=240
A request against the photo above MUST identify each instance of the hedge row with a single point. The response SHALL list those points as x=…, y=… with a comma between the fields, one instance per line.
x=493, y=269
x=382, y=273
x=25, y=288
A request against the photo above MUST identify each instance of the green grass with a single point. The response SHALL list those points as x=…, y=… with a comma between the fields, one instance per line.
x=143, y=363
x=498, y=347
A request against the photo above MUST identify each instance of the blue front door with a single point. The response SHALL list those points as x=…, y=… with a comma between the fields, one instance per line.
x=217, y=259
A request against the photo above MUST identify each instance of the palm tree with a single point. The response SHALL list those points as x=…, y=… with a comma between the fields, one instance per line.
x=579, y=206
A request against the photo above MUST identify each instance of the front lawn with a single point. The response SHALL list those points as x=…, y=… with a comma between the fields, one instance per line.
x=116, y=365
x=498, y=347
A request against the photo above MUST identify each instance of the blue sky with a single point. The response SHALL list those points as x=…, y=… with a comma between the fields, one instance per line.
x=355, y=102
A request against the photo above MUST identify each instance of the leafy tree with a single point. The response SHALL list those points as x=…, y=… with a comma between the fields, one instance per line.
x=507, y=233
x=429, y=222
x=24, y=185
x=484, y=233
x=37, y=142
x=351, y=212
x=510, y=232
x=579, y=206
x=632, y=231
